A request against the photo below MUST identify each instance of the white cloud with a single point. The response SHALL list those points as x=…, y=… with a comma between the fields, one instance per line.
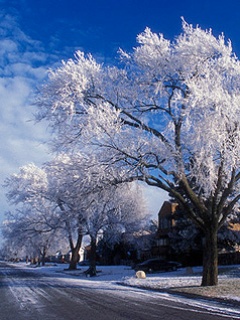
x=21, y=139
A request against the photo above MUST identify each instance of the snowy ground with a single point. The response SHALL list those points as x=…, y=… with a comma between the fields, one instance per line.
x=171, y=285
x=182, y=280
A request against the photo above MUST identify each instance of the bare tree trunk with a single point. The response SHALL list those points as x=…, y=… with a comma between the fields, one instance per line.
x=210, y=258
x=44, y=253
x=74, y=249
x=75, y=252
x=74, y=258
x=92, y=268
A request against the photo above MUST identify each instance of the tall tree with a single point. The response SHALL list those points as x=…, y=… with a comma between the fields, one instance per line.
x=71, y=194
x=169, y=116
x=52, y=200
x=89, y=203
x=46, y=205
x=117, y=210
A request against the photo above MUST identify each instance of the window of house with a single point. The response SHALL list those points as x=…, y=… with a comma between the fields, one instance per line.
x=165, y=223
x=162, y=242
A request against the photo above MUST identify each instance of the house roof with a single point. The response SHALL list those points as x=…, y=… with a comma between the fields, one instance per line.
x=167, y=209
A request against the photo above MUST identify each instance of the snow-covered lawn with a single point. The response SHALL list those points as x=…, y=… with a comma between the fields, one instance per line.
x=182, y=282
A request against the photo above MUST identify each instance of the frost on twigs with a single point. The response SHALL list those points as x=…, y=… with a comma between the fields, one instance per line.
x=171, y=112
x=169, y=116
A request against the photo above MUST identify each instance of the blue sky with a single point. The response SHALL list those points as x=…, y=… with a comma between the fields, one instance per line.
x=38, y=34
x=101, y=27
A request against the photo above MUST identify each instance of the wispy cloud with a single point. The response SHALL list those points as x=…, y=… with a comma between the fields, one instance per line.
x=23, y=64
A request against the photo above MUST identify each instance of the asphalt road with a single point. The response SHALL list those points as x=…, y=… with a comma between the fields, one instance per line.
x=28, y=295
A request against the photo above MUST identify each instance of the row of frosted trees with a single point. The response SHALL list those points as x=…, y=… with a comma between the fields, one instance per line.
x=65, y=200
x=167, y=115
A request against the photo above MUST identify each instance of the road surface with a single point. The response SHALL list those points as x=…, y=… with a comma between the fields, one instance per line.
x=25, y=294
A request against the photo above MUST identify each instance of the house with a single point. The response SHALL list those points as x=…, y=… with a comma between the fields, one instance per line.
x=166, y=222
x=229, y=248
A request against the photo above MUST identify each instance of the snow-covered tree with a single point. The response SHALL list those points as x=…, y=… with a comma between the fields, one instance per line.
x=33, y=223
x=25, y=232
x=72, y=195
x=115, y=210
x=89, y=203
x=67, y=187
x=170, y=117
x=41, y=214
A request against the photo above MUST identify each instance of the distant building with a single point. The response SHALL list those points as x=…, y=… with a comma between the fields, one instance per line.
x=228, y=254
x=165, y=224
